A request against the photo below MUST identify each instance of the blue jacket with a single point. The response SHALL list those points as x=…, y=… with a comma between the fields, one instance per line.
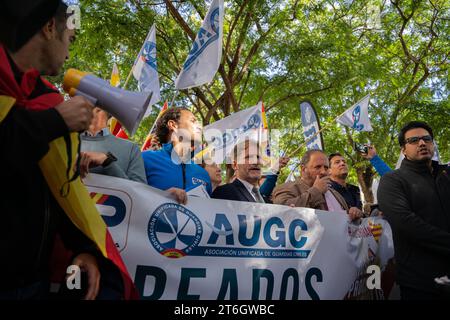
x=380, y=166
x=163, y=173
x=267, y=187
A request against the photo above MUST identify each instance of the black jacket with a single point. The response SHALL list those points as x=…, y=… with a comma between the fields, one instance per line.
x=350, y=193
x=233, y=191
x=416, y=203
x=29, y=213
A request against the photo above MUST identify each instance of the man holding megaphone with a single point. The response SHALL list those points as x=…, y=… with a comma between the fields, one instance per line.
x=34, y=41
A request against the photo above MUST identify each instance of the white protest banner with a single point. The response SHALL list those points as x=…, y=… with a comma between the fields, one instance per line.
x=218, y=249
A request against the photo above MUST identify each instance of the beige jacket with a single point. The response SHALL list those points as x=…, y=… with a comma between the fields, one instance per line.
x=300, y=194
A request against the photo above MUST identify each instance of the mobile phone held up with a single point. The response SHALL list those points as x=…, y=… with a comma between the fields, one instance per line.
x=361, y=147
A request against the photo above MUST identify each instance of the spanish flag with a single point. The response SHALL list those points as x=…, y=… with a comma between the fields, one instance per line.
x=266, y=141
x=115, y=77
x=148, y=139
x=73, y=197
x=122, y=134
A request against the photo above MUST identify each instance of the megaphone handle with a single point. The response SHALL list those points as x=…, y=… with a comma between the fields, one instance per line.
x=90, y=98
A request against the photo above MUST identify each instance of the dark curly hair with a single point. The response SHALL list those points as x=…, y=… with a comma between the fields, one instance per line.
x=162, y=131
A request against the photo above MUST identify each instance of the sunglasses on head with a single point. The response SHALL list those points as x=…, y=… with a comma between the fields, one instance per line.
x=415, y=140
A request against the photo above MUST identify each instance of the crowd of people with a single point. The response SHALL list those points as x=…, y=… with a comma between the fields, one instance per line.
x=415, y=199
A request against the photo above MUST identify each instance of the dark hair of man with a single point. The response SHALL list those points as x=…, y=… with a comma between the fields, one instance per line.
x=162, y=130
x=307, y=156
x=18, y=23
x=331, y=156
x=61, y=19
x=413, y=125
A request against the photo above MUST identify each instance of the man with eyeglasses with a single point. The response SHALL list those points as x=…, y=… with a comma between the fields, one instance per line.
x=415, y=199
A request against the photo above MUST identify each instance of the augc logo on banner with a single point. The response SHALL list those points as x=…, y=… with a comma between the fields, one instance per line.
x=176, y=232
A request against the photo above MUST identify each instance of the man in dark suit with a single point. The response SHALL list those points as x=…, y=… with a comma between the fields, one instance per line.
x=247, y=166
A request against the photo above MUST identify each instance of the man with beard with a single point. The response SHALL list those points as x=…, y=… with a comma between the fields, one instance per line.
x=312, y=190
x=350, y=192
x=247, y=165
x=415, y=199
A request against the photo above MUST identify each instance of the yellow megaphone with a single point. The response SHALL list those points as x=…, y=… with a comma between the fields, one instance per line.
x=126, y=106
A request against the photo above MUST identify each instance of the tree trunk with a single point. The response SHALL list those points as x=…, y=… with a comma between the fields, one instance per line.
x=365, y=179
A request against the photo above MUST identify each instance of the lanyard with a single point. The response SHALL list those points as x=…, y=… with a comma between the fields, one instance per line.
x=183, y=168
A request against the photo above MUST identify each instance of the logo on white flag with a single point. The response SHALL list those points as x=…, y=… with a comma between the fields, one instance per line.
x=204, y=39
x=356, y=115
x=149, y=54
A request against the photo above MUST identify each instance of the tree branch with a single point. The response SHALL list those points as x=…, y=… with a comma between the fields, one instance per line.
x=296, y=95
x=402, y=29
x=233, y=25
x=174, y=12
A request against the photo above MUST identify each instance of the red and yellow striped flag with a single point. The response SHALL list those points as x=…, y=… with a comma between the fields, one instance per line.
x=376, y=229
x=263, y=116
x=122, y=134
x=79, y=206
x=115, y=77
x=114, y=125
x=148, y=139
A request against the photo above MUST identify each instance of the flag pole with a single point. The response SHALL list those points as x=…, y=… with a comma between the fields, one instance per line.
x=174, y=96
x=128, y=78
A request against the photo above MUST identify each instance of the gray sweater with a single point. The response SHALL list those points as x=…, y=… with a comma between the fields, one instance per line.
x=129, y=164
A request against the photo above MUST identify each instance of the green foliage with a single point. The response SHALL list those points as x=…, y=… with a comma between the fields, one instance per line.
x=329, y=52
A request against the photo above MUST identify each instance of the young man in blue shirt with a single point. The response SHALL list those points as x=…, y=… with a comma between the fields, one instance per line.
x=171, y=167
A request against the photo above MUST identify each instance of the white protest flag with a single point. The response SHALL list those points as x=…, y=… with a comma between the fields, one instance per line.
x=204, y=58
x=224, y=134
x=357, y=117
x=145, y=70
